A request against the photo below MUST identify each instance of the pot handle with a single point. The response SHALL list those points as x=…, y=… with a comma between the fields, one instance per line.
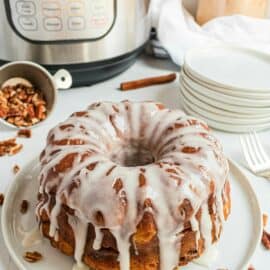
x=62, y=79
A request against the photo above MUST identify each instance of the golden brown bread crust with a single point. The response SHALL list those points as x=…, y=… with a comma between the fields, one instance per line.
x=144, y=243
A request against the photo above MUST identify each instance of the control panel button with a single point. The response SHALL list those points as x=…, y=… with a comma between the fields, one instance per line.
x=53, y=24
x=28, y=23
x=99, y=14
x=98, y=7
x=76, y=8
x=26, y=8
x=76, y=23
x=51, y=9
x=62, y=20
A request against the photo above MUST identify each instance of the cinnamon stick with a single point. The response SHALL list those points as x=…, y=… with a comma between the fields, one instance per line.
x=132, y=85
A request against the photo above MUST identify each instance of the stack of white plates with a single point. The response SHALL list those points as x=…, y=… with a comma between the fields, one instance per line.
x=227, y=87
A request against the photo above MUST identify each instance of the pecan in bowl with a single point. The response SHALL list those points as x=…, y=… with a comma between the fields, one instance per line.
x=22, y=105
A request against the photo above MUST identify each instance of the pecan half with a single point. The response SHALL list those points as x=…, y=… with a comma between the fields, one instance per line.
x=16, y=169
x=2, y=198
x=32, y=257
x=266, y=239
x=24, y=133
x=9, y=147
x=24, y=206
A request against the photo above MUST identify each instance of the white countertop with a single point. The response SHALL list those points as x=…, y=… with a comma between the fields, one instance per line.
x=78, y=99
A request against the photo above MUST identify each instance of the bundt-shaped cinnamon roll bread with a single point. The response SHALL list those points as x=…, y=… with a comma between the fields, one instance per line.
x=132, y=186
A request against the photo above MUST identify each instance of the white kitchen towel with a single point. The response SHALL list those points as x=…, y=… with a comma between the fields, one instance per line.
x=178, y=31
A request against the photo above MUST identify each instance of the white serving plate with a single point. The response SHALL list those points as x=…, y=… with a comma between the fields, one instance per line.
x=230, y=67
x=232, y=120
x=224, y=126
x=241, y=101
x=194, y=101
x=241, y=236
x=229, y=107
x=227, y=91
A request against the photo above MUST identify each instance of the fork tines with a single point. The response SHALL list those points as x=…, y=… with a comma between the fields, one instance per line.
x=255, y=155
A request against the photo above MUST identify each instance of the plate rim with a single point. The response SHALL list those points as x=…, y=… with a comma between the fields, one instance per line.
x=244, y=180
x=4, y=223
x=215, y=114
x=207, y=107
x=223, y=126
x=233, y=100
x=256, y=202
x=229, y=107
x=247, y=50
x=232, y=92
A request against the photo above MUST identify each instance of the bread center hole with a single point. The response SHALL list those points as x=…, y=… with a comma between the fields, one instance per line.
x=132, y=156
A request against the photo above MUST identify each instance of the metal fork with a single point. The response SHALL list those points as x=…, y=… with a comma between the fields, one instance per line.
x=255, y=155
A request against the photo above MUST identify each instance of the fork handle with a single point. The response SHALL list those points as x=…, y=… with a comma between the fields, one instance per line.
x=265, y=174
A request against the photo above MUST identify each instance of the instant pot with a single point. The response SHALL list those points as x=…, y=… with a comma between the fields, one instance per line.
x=92, y=39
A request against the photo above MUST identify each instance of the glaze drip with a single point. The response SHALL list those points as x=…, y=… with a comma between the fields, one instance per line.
x=90, y=167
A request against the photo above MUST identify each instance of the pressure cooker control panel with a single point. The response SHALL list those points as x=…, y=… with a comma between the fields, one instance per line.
x=61, y=20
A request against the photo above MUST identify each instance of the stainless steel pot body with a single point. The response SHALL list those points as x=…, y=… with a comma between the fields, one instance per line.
x=61, y=32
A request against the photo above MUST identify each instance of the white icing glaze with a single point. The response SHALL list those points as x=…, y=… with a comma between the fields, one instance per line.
x=54, y=214
x=80, y=228
x=206, y=226
x=98, y=240
x=118, y=132
x=77, y=266
x=208, y=257
x=31, y=238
